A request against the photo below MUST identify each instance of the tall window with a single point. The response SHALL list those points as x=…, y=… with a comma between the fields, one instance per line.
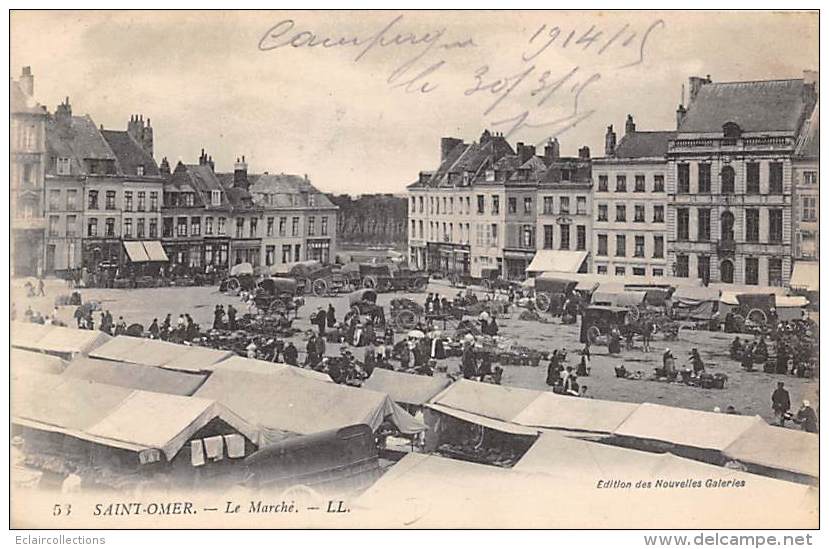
x=808, y=205
x=601, y=244
x=283, y=221
x=683, y=182
x=220, y=228
x=481, y=206
x=110, y=200
x=269, y=227
x=312, y=228
x=195, y=226
x=496, y=204
x=752, y=225
x=639, y=184
x=92, y=227
x=682, y=266
x=601, y=214
x=215, y=198
x=240, y=227
x=621, y=214
x=527, y=234
x=548, y=237
x=127, y=201
x=564, y=205
x=564, y=243
x=153, y=228
x=775, y=271
x=139, y=228
x=581, y=205
x=752, y=270
x=128, y=228
x=512, y=205
x=208, y=225
x=54, y=225
x=295, y=227
x=659, y=183
x=776, y=178
x=64, y=166
x=528, y=205
x=775, y=225
x=703, y=224
x=639, y=213
x=620, y=245
x=153, y=201
x=810, y=178
x=142, y=201
x=253, y=225
x=727, y=176
x=704, y=182
x=71, y=226
x=682, y=223
x=639, y=246
x=110, y=227
x=270, y=252
x=621, y=183
x=752, y=178
x=581, y=237
x=181, y=226
x=704, y=267
x=72, y=199
x=659, y=213
x=548, y=205
x=286, y=253
x=658, y=247
x=93, y=200
x=324, y=226
x=603, y=183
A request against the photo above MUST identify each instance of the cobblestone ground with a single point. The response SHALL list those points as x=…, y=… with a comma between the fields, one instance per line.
x=749, y=392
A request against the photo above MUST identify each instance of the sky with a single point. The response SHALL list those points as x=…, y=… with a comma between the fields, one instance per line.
x=358, y=101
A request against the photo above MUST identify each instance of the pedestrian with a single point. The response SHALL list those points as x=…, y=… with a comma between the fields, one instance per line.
x=780, y=403
x=320, y=320
x=469, y=367
x=40, y=287
x=331, y=316
x=807, y=418
x=153, y=329
x=291, y=354
x=231, y=317
x=647, y=333
x=218, y=317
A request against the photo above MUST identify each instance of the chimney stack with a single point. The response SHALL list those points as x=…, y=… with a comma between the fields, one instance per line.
x=551, y=150
x=27, y=81
x=164, y=167
x=63, y=114
x=609, y=141
x=141, y=133
x=446, y=146
x=630, y=125
x=240, y=173
x=680, y=115
x=695, y=84
x=525, y=152
x=584, y=153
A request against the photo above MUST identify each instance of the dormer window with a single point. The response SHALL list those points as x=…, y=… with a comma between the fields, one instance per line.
x=490, y=175
x=216, y=198
x=311, y=200
x=731, y=130
x=64, y=166
x=139, y=170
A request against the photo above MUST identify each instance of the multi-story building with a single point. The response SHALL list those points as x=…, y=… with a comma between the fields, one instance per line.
x=299, y=221
x=630, y=202
x=196, y=217
x=246, y=216
x=27, y=138
x=730, y=180
x=480, y=209
x=565, y=203
x=806, y=202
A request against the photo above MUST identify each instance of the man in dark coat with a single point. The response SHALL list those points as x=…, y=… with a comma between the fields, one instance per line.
x=153, y=329
x=807, y=418
x=291, y=354
x=554, y=370
x=231, y=317
x=780, y=403
x=469, y=368
x=331, y=316
x=218, y=317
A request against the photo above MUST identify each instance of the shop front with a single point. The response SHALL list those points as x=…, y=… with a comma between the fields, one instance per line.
x=103, y=259
x=447, y=258
x=516, y=263
x=319, y=249
x=246, y=251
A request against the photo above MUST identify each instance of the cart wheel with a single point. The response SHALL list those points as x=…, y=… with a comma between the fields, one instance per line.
x=420, y=284
x=320, y=287
x=634, y=312
x=757, y=316
x=233, y=284
x=405, y=319
x=543, y=302
x=740, y=320
x=369, y=282
x=593, y=335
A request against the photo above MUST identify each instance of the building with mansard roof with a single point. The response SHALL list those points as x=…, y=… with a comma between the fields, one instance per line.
x=729, y=180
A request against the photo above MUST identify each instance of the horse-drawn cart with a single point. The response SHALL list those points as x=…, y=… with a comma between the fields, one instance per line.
x=278, y=296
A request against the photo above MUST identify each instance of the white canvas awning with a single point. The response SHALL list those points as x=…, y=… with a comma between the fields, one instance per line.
x=136, y=252
x=563, y=261
x=806, y=276
x=155, y=251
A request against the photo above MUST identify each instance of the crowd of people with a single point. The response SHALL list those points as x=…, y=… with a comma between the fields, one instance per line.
x=792, y=349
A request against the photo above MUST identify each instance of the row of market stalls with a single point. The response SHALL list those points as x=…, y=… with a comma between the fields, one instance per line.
x=567, y=483
x=709, y=437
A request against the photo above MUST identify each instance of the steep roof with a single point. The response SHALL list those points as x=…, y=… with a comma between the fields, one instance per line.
x=287, y=191
x=472, y=158
x=808, y=144
x=759, y=106
x=21, y=103
x=645, y=144
x=79, y=140
x=129, y=153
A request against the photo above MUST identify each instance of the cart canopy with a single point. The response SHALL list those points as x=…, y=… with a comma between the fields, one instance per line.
x=365, y=294
x=241, y=269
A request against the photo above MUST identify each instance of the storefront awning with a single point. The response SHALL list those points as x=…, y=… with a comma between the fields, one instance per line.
x=155, y=250
x=136, y=252
x=806, y=276
x=563, y=261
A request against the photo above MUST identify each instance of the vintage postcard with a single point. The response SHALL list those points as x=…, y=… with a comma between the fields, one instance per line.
x=414, y=269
